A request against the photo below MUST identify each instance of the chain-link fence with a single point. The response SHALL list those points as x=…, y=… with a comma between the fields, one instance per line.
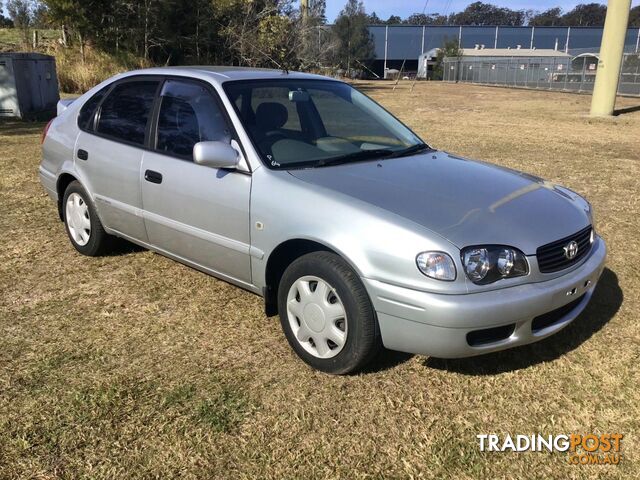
x=575, y=72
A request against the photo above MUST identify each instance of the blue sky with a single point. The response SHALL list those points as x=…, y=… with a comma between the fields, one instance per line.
x=404, y=8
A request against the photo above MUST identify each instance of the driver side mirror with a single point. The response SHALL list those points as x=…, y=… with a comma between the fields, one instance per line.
x=215, y=154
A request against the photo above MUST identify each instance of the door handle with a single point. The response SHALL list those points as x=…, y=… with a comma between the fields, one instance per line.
x=83, y=154
x=153, y=177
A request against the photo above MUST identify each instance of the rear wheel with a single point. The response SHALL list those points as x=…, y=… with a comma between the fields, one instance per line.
x=82, y=223
x=326, y=314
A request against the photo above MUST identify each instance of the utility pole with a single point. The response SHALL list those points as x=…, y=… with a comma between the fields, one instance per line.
x=603, y=100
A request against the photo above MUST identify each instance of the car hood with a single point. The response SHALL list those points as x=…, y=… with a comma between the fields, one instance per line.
x=467, y=202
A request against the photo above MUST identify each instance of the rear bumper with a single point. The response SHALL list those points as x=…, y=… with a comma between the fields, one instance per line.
x=48, y=181
x=439, y=325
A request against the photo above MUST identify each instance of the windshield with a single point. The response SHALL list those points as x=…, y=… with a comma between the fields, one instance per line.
x=311, y=123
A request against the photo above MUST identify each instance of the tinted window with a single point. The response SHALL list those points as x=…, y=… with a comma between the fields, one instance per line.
x=124, y=113
x=89, y=108
x=188, y=114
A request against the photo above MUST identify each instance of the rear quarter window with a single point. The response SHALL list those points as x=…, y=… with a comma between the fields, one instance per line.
x=88, y=110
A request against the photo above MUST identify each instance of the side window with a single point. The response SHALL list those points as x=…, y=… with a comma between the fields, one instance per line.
x=124, y=113
x=85, y=117
x=188, y=114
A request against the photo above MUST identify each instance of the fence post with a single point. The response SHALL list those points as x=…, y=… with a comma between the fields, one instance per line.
x=35, y=39
x=638, y=41
x=423, y=28
x=495, y=42
x=460, y=37
x=566, y=45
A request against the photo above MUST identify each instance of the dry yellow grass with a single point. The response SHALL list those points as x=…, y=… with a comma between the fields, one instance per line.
x=133, y=366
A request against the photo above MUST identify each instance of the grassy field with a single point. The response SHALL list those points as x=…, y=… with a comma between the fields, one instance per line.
x=134, y=366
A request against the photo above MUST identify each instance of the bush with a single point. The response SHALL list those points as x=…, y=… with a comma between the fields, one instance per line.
x=78, y=76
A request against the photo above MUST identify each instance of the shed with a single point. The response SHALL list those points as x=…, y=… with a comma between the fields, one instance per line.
x=28, y=85
x=426, y=63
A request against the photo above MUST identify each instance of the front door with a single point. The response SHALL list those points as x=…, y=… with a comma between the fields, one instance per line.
x=196, y=213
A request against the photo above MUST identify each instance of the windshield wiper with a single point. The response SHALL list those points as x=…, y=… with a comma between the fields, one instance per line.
x=355, y=157
x=419, y=147
x=373, y=154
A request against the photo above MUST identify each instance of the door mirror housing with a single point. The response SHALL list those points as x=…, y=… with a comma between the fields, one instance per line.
x=216, y=155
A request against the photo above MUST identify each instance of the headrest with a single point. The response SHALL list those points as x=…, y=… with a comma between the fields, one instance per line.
x=271, y=116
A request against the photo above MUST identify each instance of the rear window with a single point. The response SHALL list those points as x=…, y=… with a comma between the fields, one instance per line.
x=126, y=110
x=85, y=118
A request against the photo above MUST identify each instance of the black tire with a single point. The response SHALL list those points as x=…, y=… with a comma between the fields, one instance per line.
x=100, y=242
x=363, y=336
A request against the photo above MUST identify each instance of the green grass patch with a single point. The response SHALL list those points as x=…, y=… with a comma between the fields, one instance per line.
x=224, y=411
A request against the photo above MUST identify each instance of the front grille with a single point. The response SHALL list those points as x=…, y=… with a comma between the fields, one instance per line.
x=551, y=257
x=554, y=316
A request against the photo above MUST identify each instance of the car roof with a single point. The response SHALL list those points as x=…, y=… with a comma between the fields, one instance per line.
x=221, y=74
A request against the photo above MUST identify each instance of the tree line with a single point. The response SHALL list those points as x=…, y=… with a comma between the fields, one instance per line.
x=484, y=14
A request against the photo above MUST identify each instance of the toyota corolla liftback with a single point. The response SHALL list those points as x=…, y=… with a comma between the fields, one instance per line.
x=303, y=190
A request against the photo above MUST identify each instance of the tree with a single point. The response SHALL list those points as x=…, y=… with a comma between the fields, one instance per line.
x=374, y=19
x=426, y=19
x=4, y=21
x=449, y=49
x=417, y=19
x=21, y=15
x=586, y=15
x=634, y=17
x=353, y=42
x=394, y=20
x=479, y=13
x=548, y=18
x=313, y=37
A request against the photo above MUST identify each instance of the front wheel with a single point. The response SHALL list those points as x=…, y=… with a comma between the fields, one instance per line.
x=326, y=314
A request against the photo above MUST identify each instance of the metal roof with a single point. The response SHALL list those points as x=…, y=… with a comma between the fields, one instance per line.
x=512, y=52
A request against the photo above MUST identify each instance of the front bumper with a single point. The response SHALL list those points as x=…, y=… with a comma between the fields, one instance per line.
x=439, y=325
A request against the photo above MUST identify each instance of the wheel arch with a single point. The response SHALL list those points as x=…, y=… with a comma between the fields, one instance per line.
x=281, y=257
x=61, y=185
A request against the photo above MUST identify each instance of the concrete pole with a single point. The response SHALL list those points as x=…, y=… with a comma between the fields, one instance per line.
x=533, y=30
x=386, y=40
x=603, y=100
x=304, y=7
x=495, y=40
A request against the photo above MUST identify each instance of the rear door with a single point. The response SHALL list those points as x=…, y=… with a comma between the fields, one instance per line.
x=109, y=153
x=199, y=214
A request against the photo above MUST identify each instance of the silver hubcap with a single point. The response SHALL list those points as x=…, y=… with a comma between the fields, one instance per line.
x=317, y=317
x=78, y=220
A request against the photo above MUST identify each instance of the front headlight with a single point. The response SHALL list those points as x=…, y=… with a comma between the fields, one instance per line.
x=487, y=264
x=436, y=265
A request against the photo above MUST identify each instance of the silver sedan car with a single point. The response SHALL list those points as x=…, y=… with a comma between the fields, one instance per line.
x=303, y=190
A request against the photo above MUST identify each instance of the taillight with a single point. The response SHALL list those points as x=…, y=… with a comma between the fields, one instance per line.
x=44, y=132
